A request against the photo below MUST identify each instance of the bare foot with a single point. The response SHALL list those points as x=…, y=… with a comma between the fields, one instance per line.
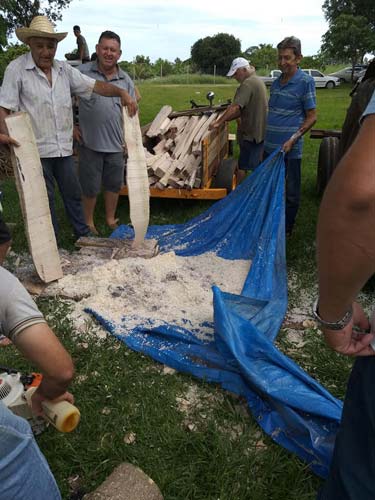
x=93, y=230
x=114, y=224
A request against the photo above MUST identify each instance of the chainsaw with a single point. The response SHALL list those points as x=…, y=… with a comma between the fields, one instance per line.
x=16, y=390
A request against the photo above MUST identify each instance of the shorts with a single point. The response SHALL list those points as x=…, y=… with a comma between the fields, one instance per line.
x=97, y=170
x=250, y=154
x=5, y=235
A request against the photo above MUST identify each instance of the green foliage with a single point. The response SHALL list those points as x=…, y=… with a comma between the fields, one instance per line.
x=218, y=50
x=12, y=52
x=334, y=8
x=349, y=37
x=20, y=13
x=316, y=62
x=262, y=56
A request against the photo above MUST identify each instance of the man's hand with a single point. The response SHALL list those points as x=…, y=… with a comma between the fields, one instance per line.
x=37, y=398
x=127, y=101
x=77, y=136
x=214, y=125
x=5, y=139
x=287, y=146
x=347, y=341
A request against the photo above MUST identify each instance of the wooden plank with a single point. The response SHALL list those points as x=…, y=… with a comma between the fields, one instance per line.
x=164, y=127
x=188, y=139
x=199, y=111
x=33, y=196
x=198, y=194
x=181, y=139
x=136, y=177
x=197, y=142
x=153, y=131
x=159, y=148
x=317, y=133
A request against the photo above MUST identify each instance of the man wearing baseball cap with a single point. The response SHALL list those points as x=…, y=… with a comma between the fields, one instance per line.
x=249, y=107
x=41, y=86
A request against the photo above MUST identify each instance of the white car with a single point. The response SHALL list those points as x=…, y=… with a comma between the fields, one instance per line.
x=323, y=81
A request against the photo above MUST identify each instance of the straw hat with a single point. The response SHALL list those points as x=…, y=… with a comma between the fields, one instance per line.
x=41, y=27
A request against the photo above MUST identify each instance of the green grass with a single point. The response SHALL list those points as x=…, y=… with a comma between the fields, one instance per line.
x=227, y=456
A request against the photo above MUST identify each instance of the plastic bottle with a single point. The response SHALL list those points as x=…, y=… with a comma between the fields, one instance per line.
x=62, y=415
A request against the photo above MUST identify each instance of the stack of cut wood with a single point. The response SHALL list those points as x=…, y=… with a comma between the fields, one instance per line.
x=175, y=161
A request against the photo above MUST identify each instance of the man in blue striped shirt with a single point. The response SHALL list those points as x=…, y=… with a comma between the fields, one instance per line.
x=291, y=113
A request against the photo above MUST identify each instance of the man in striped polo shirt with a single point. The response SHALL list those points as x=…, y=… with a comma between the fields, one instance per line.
x=291, y=113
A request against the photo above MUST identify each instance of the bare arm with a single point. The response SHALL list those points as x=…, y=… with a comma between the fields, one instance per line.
x=346, y=240
x=4, y=137
x=40, y=345
x=231, y=113
x=305, y=127
x=3, y=114
x=108, y=90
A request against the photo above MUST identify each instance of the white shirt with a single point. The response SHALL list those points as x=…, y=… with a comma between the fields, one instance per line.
x=26, y=88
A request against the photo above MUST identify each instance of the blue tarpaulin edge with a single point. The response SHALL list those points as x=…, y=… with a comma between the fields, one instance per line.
x=290, y=406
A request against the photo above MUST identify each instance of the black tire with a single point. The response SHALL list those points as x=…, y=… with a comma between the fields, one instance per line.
x=226, y=175
x=330, y=85
x=327, y=161
x=342, y=80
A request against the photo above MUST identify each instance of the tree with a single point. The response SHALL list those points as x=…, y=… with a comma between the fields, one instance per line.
x=11, y=52
x=218, y=50
x=349, y=37
x=334, y=8
x=162, y=67
x=16, y=13
x=262, y=56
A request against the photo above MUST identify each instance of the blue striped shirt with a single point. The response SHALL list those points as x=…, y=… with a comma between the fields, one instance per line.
x=287, y=111
x=370, y=110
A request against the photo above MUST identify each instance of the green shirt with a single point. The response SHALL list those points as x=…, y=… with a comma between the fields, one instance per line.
x=251, y=96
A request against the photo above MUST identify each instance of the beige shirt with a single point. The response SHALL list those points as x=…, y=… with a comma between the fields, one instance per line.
x=251, y=96
x=26, y=88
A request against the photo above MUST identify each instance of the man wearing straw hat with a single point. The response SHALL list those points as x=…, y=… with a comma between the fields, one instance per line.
x=38, y=84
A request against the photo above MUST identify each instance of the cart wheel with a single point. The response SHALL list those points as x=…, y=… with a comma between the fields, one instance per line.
x=327, y=161
x=226, y=175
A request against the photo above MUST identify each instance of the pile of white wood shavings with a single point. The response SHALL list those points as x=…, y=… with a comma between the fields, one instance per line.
x=150, y=292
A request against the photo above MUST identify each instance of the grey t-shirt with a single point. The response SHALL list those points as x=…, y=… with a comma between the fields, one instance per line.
x=100, y=118
x=251, y=96
x=17, y=309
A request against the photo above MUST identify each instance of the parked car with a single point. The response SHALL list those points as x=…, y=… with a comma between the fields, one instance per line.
x=345, y=74
x=323, y=81
x=268, y=80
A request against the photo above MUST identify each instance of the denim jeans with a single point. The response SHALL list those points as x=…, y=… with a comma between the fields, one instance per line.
x=63, y=170
x=250, y=155
x=352, y=472
x=24, y=472
x=292, y=191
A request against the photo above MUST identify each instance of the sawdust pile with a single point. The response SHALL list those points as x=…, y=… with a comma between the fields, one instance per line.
x=151, y=292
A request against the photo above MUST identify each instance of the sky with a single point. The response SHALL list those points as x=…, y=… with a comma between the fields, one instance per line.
x=168, y=29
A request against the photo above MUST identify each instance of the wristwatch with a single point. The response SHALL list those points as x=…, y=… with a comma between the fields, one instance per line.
x=335, y=325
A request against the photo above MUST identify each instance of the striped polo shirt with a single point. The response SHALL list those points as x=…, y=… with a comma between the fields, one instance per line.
x=26, y=88
x=287, y=111
x=370, y=110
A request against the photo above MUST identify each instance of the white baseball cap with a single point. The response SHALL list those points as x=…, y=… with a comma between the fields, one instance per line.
x=239, y=62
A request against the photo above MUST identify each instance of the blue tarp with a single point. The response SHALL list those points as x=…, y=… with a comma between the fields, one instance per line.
x=288, y=404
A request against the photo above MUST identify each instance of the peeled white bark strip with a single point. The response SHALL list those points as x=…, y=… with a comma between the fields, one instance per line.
x=136, y=177
x=33, y=197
